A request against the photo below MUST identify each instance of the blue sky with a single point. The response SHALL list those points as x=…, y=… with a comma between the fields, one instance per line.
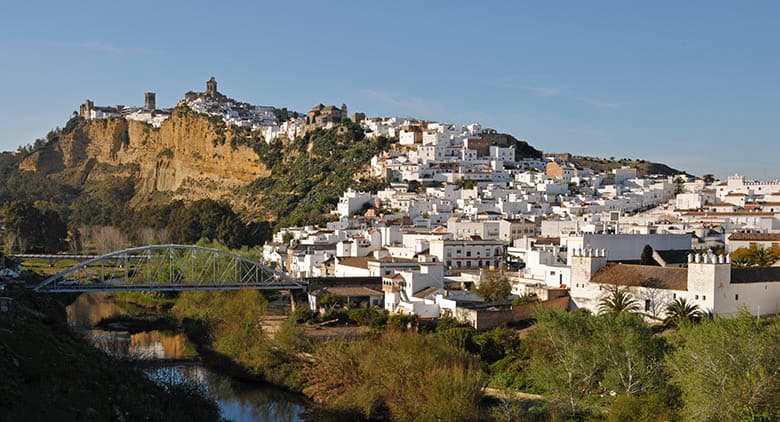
x=692, y=84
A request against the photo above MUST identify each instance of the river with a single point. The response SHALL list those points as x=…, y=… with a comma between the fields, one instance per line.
x=172, y=358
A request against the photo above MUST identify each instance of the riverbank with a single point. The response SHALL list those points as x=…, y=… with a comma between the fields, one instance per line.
x=171, y=349
x=51, y=373
x=350, y=375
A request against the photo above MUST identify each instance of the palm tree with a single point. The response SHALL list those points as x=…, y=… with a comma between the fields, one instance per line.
x=618, y=301
x=763, y=257
x=680, y=310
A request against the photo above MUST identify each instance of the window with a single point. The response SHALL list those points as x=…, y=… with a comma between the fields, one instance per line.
x=468, y=264
x=704, y=298
x=697, y=297
x=468, y=253
x=736, y=297
x=647, y=305
x=674, y=295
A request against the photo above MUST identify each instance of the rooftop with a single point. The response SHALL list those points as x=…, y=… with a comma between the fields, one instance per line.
x=766, y=237
x=643, y=275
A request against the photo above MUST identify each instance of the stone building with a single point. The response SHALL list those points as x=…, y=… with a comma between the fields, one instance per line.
x=150, y=101
x=320, y=116
x=211, y=88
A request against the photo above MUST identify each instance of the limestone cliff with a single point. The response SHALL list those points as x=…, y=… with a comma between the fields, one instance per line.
x=191, y=156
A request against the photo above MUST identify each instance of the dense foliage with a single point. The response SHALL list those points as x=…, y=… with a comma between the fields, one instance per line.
x=755, y=256
x=580, y=361
x=494, y=288
x=408, y=376
x=32, y=228
x=732, y=361
x=310, y=173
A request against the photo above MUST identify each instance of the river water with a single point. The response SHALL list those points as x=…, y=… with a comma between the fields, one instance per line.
x=172, y=360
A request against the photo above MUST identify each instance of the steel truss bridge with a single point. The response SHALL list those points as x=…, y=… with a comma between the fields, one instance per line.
x=168, y=268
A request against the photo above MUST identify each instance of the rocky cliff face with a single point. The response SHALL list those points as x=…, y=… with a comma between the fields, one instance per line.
x=191, y=156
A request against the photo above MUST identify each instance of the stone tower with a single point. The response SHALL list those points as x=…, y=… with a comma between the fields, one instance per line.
x=150, y=101
x=211, y=88
x=85, y=110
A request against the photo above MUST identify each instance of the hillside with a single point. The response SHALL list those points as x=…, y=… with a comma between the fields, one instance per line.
x=605, y=165
x=129, y=174
x=522, y=148
x=191, y=156
x=132, y=175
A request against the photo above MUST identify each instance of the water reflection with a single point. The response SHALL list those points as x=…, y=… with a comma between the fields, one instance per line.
x=238, y=401
x=89, y=308
x=148, y=345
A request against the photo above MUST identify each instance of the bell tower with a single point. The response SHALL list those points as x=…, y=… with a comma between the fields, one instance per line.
x=211, y=88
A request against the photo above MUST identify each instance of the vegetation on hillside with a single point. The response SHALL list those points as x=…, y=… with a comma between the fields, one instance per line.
x=522, y=148
x=307, y=177
x=310, y=173
x=606, y=165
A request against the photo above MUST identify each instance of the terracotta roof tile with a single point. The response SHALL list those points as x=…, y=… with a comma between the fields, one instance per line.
x=641, y=275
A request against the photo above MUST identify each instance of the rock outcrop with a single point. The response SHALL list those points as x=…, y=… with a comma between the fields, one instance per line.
x=191, y=156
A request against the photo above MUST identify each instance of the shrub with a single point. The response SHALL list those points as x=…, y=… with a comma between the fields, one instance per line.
x=403, y=322
x=646, y=408
x=406, y=375
x=368, y=317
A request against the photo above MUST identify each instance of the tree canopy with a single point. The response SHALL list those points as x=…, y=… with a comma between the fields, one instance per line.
x=494, y=288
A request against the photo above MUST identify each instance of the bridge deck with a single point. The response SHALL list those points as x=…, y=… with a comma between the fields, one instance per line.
x=171, y=288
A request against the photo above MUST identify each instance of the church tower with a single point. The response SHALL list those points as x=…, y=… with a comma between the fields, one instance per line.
x=211, y=88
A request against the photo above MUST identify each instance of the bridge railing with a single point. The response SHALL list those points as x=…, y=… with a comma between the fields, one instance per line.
x=167, y=267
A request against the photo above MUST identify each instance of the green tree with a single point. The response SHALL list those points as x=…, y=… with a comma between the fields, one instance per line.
x=105, y=204
x=617, y=301
x=763, y=257
x=35, y=229
x=494, y=287
x=525, y=298
x=680, y=311
x=728, y=369
x=647, y=256
x=574, y=189
x=679, y=185
x=708, y=179
x=579, y=360
x=644, y=408
x=754, y=256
